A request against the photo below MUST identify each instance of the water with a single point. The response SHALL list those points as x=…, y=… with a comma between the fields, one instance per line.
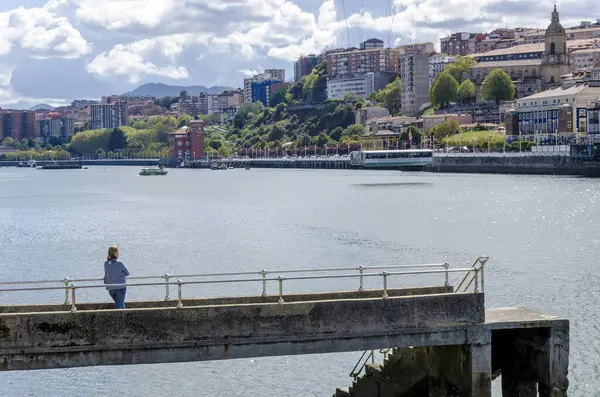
x=540, y=232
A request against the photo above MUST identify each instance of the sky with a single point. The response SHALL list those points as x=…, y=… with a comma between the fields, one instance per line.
x=53, y=51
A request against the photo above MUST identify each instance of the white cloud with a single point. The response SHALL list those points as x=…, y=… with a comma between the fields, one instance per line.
x=131, y=60
x=250, y=72
x=41, y=32
x=119, y=14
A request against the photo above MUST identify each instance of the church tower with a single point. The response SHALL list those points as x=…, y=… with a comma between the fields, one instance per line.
x=555, y=61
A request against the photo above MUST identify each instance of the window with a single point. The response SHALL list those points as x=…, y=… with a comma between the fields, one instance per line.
x=552, y=49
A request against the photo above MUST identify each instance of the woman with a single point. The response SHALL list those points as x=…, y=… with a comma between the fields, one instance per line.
x=115, y=272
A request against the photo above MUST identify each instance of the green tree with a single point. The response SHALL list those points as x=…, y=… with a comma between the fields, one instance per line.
x=336, y=134
x=460, y=66
x=8, y=141
x=183, y=94
x=116, y=141
x=183, y=120
x=498, y=86
x=412, y=132
x=444, y=90
x=466, y=92
x=277, y=98
x=354, y=129
x=445, y=129
x=390, y=97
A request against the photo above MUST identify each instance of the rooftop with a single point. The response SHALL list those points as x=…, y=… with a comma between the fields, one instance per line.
x=572, y=90
x=505, y=64
x=532, y=47
x=182, y=131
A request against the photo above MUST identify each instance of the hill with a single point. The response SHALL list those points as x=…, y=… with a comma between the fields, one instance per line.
x=160, y=90
x=42, y=106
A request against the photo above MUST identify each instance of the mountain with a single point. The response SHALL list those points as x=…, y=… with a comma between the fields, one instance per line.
x=42, y=106
x=160, y=90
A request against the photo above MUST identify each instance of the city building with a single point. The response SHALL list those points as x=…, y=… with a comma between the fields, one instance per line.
x=109, y=116
x=371, y=44
x=17, y=124
x=352, y=63
x=417, y=48
x=273, y=75
x=7, y=149
x=461, y=43
x=414, y=76
x=563, y=109
x=437, y=64
x=273, y=88
x=304, y=66
x=261, y=90
x=361, y=85
x=55, y=125
x=593, y=118
x=533, y=67
x=584, y=59
x=187, y=143
x=431, y=120
x=82, y=103
x=362, y=115
x=111, y=99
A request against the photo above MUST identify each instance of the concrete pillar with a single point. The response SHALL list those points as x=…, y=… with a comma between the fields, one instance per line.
x=480, y=363
x=553, y=362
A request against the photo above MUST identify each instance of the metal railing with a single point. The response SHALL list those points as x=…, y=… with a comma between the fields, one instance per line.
x=474, y=276
x=71, y=286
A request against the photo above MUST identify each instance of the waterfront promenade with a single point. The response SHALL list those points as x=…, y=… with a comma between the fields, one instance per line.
x=276, y=321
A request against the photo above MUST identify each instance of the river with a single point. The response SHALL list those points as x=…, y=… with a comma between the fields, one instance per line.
x=541, y=233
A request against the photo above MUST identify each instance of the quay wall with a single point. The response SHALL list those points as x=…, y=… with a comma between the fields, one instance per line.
x=531, y=165
x=159, y=335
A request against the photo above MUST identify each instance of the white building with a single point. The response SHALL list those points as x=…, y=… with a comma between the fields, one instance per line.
x=562, y=109
x=109, y=116
x=437, y=64
x=413, y=71
x=584, y=59
x=359, y=85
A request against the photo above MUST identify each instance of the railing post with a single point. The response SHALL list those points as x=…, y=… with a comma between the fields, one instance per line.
x=385, y=289
x=280, y=280
x=361, y=270
x=179, y=284
x=446, y=275
x=264, y=273
x=73, y=299
x=476, y=279
x=67, y=282
x=482, y=280
x=167, y=276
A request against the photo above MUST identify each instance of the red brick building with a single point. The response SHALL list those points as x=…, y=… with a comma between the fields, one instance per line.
x=187, y=143
x=17, y=124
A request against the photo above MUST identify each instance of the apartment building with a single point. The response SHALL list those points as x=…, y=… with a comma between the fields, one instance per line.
x=351, y=63
x=584, y=59
x=17, y=124
x=371, y=44
x=361, y=85
x=413, y=70
x=277, y=75
x=417, y=48
x=462, y=43
x=304, y=66
x=109, y=116
x=55, y=125
x=437, y=64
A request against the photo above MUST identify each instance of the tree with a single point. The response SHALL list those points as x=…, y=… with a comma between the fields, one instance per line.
x=466, y=91
x=8, y=141
x=460, y=66
x=413, y=133
x=116, y=141
x=277, y=98
x=445, y=129
x=444, y=90
x=354, y=129
x=390, y=97
x=498, y=86
x=183, y=94
x=336, y=134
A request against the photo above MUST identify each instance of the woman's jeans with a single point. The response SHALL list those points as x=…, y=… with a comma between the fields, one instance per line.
x=118, y=296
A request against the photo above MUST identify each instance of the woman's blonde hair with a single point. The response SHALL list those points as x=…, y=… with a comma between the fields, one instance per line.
x=113, y=253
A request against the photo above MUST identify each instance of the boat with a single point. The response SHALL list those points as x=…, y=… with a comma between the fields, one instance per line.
x=392, y=158
x=60, y=167
x=147, y=171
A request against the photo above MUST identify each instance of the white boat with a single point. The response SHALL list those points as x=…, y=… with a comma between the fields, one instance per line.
x=391, y=158
x=148, y=171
